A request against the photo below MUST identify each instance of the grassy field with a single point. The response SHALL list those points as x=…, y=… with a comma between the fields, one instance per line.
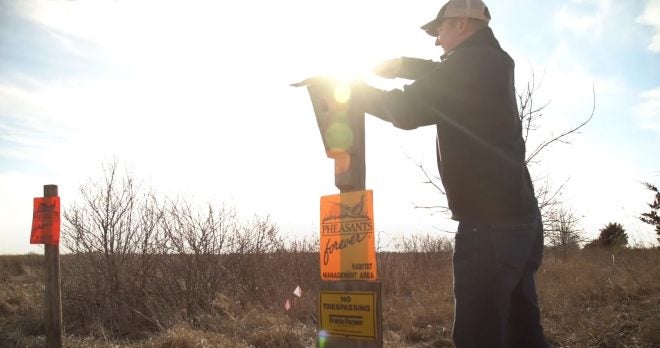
x=589, y=298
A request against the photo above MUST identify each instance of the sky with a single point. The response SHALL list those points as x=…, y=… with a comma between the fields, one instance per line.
x=194, y=97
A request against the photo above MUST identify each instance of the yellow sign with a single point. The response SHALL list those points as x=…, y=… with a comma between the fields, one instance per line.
x=347, y=248
x=350, y=314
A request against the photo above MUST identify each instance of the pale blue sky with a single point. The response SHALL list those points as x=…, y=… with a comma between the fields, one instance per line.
x=195, y=97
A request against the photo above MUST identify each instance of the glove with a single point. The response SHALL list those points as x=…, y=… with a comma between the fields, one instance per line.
x=389, y=69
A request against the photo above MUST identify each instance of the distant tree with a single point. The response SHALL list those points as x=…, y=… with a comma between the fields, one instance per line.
x=591, y=244
x=612, y=235
x=562, y=230
x=652, y=218
x=553, y=211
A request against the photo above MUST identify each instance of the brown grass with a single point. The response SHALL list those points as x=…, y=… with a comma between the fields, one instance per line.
x=592, y=298
x=601, y=298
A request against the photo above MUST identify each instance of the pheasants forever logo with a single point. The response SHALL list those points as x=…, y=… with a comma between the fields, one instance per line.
x=347, y=243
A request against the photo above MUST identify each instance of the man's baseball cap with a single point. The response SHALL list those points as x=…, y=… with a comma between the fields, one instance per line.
x=458, y=8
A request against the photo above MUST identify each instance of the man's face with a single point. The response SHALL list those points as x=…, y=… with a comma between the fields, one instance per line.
x=451, y=32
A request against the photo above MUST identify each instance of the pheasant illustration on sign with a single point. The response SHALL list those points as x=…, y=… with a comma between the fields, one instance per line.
x=347, y=210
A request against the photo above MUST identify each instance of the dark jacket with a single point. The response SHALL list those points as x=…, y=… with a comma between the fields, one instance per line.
x=470, y=97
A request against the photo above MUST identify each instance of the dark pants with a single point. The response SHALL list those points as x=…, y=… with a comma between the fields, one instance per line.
x=494, y=285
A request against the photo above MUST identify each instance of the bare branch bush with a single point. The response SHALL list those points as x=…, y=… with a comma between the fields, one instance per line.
x=530, y=115
x=254, y=245
x=139, y=262
x=559, y=222
x=111, y=237
x=562, y=232
x=423, y=244
x=436, y=182
x=193, y=255
x=414, y=254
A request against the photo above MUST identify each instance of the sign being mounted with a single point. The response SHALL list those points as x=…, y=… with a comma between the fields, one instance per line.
x=46, y=221
x=340, y=117
x=347, y=237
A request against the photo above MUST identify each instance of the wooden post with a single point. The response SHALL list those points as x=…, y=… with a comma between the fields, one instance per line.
x=53, y=293
x=341, y=124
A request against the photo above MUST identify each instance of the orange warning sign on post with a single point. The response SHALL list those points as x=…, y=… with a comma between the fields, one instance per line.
x=348, y=249
x=46, y=221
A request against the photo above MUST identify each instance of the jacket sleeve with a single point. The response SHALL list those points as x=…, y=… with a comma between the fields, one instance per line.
x=428, y=100
x=413, y=68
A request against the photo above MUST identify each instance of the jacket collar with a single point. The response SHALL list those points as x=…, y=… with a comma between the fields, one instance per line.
x=483, y=37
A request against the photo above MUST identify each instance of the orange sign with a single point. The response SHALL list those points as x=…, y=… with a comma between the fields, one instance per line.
x=347, y=237
x=46, y=221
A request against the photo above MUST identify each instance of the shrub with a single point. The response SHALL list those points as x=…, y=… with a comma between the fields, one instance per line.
x=140, y=263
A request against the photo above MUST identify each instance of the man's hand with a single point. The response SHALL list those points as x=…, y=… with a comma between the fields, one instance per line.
x=389, y=69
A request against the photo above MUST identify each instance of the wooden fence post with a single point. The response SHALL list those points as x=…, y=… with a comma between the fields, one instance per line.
x=341, y=123
x=53, y=293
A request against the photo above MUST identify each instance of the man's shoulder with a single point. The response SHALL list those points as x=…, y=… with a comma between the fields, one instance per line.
x=480, y=54
x=481, y=49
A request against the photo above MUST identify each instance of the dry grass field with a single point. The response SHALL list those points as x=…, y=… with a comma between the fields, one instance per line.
x=589, y=298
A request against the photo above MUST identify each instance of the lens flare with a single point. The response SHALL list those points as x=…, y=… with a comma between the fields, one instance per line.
x=339, y=136
x=342, y=93
x=323, y=338
x=342, y=161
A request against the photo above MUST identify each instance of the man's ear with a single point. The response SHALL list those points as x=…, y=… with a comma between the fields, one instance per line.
x=463, y=24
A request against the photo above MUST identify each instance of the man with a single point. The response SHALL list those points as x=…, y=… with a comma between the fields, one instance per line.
x=469, y=96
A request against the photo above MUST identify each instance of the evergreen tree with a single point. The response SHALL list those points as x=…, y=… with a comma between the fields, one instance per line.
x=652, y=218
x=612, y=235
